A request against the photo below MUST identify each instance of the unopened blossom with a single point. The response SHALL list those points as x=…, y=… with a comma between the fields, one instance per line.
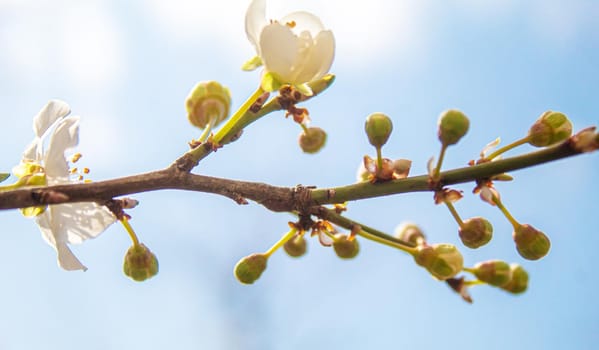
x=69, y=223
x=295, y=50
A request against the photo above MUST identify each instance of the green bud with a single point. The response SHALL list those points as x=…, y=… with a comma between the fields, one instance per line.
x=378, y=129
x=208, y=99
x=443, y=260
x=345, y=248
x=475, y=232
x=550, y=128
x=494, y=272
x=312, y=140
x=452, y=126
x=249, y=269
x=296, y=246
x=531, y=243
x=519, y=281
x=140, y=263
x=409, y=232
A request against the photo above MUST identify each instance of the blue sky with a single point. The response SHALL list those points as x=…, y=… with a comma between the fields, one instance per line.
x=126, y=68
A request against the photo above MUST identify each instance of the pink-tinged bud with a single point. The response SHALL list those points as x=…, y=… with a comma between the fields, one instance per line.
x=550, y=128
x=140, y=263
x=409, y=232
x=443, y=260
x=531, y=243
x=494, y=272
x=475, y=232
x=452, y=126
x=312, y=140
x=586, y=140
x=519, y=281
x=296, y=246
x=345, y=247
x=378, y=129
x=249, y=269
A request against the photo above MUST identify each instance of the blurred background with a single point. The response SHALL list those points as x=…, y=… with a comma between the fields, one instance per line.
x=126, y=68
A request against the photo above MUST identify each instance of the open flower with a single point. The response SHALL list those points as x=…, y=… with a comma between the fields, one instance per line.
x=295, y=50
x=69, y=223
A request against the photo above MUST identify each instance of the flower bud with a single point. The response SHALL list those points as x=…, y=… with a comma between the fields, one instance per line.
x=550, y=128
x=452, y=126
x=378, y=128
x=208, y=99
x=475, y=232
x=140, y=263
x=519, y=281
x=345, y=248
x=531, y=243
x=296, y=246
x=249, y=269
x=494, y=272
x=410, y=232
x=443, y=260
x=312, y=140
x=586, y=140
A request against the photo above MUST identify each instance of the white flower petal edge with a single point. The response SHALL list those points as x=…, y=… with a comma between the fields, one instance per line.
x=71, y=223
x=296, y=49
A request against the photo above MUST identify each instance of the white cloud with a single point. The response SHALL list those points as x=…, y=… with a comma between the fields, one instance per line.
x=77, y=41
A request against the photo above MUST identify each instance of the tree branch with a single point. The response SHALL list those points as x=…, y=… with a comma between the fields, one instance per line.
x=272, y=197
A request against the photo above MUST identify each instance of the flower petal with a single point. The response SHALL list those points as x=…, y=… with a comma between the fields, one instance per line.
x=255, y=20
x=322, y=53
x=65, y=136
x=54, y=110
x=278, y=48
x=72, y=223
x=301, y=21
x=66, y=259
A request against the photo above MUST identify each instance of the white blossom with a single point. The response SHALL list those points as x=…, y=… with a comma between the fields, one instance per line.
x=61, y=224
x=296, y=49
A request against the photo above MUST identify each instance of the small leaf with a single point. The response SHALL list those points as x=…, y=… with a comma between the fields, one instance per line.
x=270, y=83
x=252, y=64
x=4, y=176
x=304, y=89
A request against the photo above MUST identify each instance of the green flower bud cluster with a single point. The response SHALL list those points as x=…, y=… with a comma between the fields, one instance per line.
x=550, y=128
x=140, y=263
x=312, y=140
x=345, y=247
x=475, y=232
x=531, y=243
x=442, y=260
x=378, y=128
x=207, y=100
x=511, y=278
x=296, y=246
x=250, y=268
x=452, y=126
x=410, y=232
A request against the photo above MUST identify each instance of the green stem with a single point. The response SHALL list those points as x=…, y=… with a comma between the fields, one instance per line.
x=305, y=128
x=368, y=232
x=130, y=231
x=379, y=160
x=508, y=147
x=421, y=183
x=505, y=212
x=454, y=213
x=230, y=124
x=437, y=170
x=286, y=237
x=208, y=128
